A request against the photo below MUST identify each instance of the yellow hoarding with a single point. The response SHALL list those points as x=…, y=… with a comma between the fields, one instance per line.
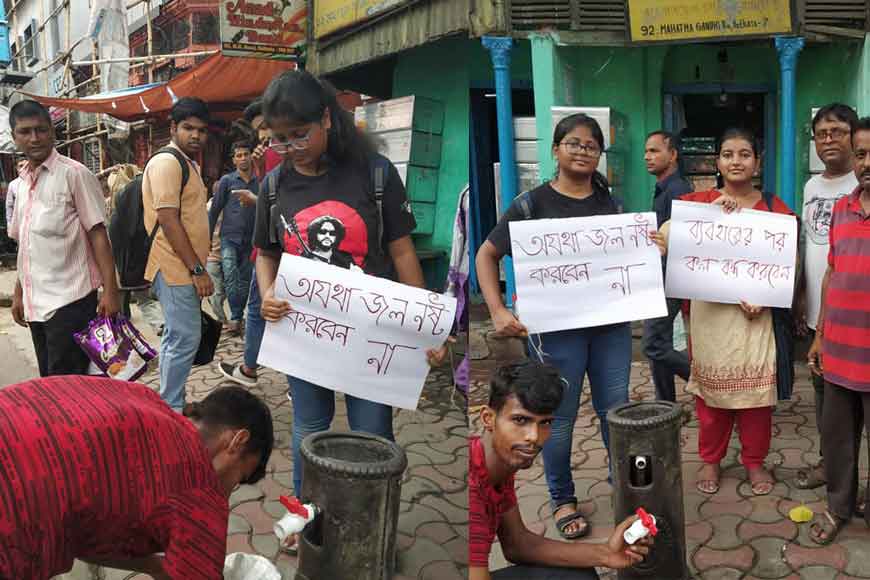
x=675, y=20
x=332, y=15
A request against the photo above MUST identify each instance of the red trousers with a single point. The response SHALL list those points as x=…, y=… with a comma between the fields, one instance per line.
x=754, y=426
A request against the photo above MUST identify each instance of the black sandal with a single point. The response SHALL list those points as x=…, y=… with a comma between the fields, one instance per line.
x=563, y=523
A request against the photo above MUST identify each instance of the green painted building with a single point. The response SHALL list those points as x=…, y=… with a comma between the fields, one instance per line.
x=580, y=54
x=421, y=49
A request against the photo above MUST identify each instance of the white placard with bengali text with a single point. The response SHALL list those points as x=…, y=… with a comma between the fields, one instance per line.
x=354, y=333
x=746, y=255
x=590, y=271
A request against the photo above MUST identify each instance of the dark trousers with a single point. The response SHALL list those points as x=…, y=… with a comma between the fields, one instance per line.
x=56, y=351
x=845, y=414
x=664, y=361
x=819, y=390
x=544, y=573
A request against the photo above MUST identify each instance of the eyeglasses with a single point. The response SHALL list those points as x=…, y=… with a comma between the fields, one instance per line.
x=575, y=147
x=833, y=134
x=299, y=143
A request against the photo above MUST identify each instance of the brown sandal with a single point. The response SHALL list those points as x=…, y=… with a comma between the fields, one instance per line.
x=709, y=486
x=763, y=483
x=830, y=525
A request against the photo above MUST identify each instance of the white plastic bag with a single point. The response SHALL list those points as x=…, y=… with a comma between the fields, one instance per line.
x=241, y=566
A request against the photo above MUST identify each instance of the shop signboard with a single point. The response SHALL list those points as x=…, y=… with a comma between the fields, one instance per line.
x=332, y=15
x=681, y=20
x=263, y=28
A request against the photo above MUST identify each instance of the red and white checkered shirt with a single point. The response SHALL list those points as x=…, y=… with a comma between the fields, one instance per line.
x=56, y=206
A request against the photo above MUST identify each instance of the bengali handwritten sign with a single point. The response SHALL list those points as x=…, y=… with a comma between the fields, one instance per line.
x=582, y=272
x=746, y=255
x=681, y=20
x=355, y=333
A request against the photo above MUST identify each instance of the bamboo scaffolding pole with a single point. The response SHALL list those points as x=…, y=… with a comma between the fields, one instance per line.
x=85, y=137
x=46, y=20
x=146, y=59
x=41, y=30
x=150, y=38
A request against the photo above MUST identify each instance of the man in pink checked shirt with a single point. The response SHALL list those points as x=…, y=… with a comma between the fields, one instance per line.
x=64, y=254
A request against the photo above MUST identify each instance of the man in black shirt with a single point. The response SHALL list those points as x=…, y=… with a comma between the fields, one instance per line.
x=661, y=157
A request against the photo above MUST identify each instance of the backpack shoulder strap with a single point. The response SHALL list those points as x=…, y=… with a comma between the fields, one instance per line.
x=525, y=202
x=185, y=177
x=271, y=183
x=379, y=167
x=182, y=160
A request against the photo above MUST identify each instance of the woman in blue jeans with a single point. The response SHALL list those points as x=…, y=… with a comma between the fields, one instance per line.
x=324, y=186
x=602, y=353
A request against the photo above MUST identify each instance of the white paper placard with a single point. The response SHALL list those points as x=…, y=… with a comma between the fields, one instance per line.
x=354, y=333
x=719, y=257
x=582, y=272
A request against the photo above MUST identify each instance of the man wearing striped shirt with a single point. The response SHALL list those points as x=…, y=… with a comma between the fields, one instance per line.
x=64, y=254
x=841, y=349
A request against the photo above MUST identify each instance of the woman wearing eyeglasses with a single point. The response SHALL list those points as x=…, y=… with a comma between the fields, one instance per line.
x=603, y=352
x=324, y=187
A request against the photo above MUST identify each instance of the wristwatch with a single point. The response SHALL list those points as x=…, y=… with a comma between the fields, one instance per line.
x=197, y=270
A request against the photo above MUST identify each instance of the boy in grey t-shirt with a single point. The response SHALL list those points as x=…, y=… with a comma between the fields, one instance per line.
x=832, y=137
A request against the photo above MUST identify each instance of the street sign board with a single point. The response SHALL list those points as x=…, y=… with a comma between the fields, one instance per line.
x=681, y=20
x=263, y=28
x=332, y=15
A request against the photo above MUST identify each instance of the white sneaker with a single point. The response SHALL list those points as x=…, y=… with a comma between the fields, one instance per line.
x=235, y=374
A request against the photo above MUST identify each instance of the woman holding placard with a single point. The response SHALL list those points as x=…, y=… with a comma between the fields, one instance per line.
x=602, y=352
x=734, y=348
x=321, y=204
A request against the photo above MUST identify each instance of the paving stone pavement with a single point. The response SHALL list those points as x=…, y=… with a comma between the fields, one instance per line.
x=433, y=521
x=729, y=535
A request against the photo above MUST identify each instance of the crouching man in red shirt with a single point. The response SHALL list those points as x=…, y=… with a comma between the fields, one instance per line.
x=517, y=420
x=105, y=471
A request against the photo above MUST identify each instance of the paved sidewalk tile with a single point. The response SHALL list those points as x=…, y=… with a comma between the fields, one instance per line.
x=433, y=520
x=731, y=534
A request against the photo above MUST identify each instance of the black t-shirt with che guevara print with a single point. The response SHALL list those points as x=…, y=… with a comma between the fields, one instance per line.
x=333, y=217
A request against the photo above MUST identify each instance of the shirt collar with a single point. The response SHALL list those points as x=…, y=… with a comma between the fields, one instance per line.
x=665, y=183
x=49, y=164
x=854, y=204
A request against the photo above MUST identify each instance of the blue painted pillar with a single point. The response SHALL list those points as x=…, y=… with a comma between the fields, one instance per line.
x=788, y=48
x=499, y=48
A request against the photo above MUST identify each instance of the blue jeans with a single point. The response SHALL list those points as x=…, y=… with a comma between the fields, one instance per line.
x=603, y=353
x=236, y=264
x=180, y=341
x=313, y=410
x=255, y=326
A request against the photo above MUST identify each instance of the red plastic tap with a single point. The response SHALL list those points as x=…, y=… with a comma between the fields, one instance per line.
x=647, y=521
x=294, y=506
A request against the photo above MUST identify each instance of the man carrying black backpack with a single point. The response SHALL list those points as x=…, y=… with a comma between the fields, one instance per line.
x=176, y=262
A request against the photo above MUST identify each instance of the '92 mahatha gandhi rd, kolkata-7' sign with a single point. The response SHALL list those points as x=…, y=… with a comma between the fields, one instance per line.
x=681, y=20
x=590, y=271
x=333, y=15
x=354, y=333
x=748, y=255
x=263, y=28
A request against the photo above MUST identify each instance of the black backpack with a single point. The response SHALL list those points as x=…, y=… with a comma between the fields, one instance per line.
x=131, y=242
